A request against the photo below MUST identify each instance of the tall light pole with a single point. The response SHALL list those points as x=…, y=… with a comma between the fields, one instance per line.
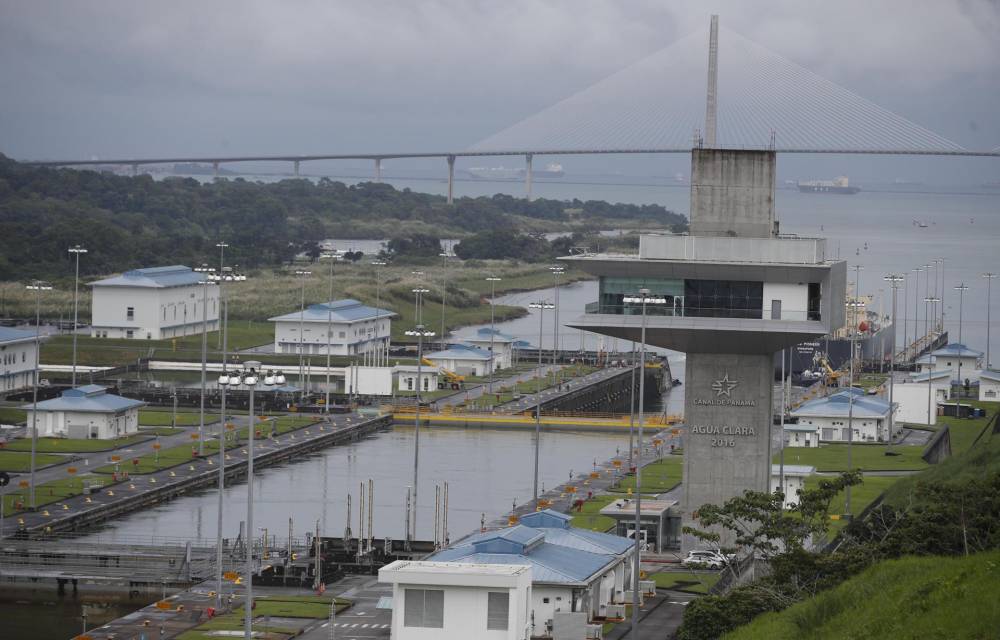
x=933, y=294
x=38, y=287
x=916, y=310
x=893, y=280
x=384, y=354
x=493, y=280
x=644, y=299
x=420, y=333
x=250, y=377
x=631, y=410
x=207, y=279
x=930, y=375
x=416, y=303
x=332, y=257
x=927, y=294
x=556, y=272
x=76, y=251
x=942, y=294
x=541, y=305
x=961, y=289
x=302, y=276
x=906, y=306
x=989, y=286
x=222, y=245
x=850, y=389
x=444, y=290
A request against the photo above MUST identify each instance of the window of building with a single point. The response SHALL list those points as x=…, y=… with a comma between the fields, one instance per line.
x=424, y=608
x=497, y=610
x=612, y=292
x=723, y=298
x=130, y=313
x=129, y=333
x=164, y=313
x=343, y=334
x=545, y=600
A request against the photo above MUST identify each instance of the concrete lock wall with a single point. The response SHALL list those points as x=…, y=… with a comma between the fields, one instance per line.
x=732, y=193
x=727, y=404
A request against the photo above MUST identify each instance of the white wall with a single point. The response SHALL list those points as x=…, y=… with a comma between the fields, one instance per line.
x=559, y=599
x=865, y=429
x=17, y=365
x=158, y=313
x=950, y=363
x=911, y=398
x=65, y=424
x=464, y=367
x=465, y=609
x=801, y=438
x=371, y=381
x=794, y=300
x=989, y=390
x=793, y=485
x=345, y=338
x=503, y=351
x=407, y=380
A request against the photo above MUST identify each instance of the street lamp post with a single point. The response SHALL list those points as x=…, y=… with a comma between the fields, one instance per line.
x=302, y=275
x=961, y=289
x=417, y=311
x=906, y=306
x=76, y=251
x=556, y=272
x=916, y=311
x=631, y=409
x=444, y=290
x=329, y=331
x=930, y=377
x=250, y=377
x=383, y=349
x=942, y=294
x=989, y=286
x=222, y=245
x=893, y=280
x=927, y=294
x=207, y=279
x=420, y=333
x=644, y=299
x=493, y=280
x=38, y=287
x=850, y=389
x=541, y=305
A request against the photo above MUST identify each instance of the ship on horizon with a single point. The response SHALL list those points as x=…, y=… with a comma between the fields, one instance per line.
x=839, y=184
x=552, y=170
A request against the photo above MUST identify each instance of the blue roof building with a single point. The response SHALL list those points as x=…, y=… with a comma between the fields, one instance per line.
x=834, y=414
x=572, y=569
x=464, y=359
x=154, y=303
x=501, y=345
x=17, y=359
x=345, y=327
x=86, y=412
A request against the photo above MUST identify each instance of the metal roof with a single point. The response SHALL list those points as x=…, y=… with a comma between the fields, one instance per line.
x=587, y=540
x=153, y=278
x=793, y=470
x=957, y=350
x=89, y=398
x=460, y=352
x=990, y=374
x=934, y=375
x=550, y=563
x=839, y=404
x=483, y=335
x=346, y=310
x=11, y=336
x=546, y=519
x=801, y=427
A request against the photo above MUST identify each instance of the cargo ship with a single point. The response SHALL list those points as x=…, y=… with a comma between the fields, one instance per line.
x=509, y=173
x=839, y=184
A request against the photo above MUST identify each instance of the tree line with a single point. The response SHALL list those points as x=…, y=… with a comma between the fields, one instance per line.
x=127, y=222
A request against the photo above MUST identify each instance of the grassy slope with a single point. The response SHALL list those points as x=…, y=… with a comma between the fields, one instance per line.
x=21, y=461
x=870, y=457
x=913, y=597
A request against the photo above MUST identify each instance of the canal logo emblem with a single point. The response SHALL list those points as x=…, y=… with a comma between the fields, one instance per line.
x=724, y=386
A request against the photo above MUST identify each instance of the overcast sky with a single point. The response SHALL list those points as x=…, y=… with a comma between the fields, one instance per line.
x=100, y=78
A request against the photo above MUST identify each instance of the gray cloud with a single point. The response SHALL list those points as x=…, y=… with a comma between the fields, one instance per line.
x=107, y=78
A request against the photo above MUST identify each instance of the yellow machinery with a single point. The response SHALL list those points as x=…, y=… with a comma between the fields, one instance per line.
x=831, y=375
x=451, y=378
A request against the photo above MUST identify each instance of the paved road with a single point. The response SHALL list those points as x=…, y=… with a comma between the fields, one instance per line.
x=528, y=402
x=363, y=620
x=659, y=616
x=473, y=391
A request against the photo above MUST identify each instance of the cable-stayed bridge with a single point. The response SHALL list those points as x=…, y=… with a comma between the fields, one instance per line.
x=722, y=91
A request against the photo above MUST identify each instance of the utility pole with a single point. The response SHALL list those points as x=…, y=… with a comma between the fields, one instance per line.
x=302, y=275
x=493, y=280
x=76, y=251
x=37, y=286
x=989, y=286
x=541, y=305
x=893, y=280
x=420, y=333
x=961, y=288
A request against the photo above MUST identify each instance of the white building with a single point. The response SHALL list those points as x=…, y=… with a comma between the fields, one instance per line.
x=911, y=397
x=801, y=435
x=354, y=329
x=153, y=304
x=406, y=377
x=438, y=600
x=949, y=357
x=17, y=359
x=989, y=385
x=831, y=415
x=795, y=481
x=501, y=344
x=573, y=571
x=463, y=360
x=86, y=412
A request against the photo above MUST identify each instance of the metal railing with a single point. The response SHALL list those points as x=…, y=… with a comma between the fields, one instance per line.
x=753, y=310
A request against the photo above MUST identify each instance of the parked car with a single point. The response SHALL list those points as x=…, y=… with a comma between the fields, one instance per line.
x=705, y=558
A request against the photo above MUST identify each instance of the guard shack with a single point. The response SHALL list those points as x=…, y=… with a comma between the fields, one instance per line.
x=660, y=522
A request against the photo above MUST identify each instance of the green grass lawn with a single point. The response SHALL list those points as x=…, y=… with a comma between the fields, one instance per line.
x=21, y=461
x=310, y=607
x=10, y=415
x=153, y=418
x=833, y=457
x=161, y=431
x=73, y=445
x=913, y=597
x=963, y=431
x=689, y=581
x=862, y=495
x=53, y=491
x=657, y=477
x=590, y=517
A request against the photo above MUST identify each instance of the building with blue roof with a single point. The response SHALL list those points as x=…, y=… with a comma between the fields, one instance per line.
x=86, y=412
x=830, y=416
x=464, y=360
x=501, y=344
x=572, y=570
x=949, y=358
x=348, y=326
x=153, y=304
x=989, y=385
x=17, y=359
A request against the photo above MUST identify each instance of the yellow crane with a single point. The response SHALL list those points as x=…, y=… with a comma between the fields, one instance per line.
x=451, y=378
